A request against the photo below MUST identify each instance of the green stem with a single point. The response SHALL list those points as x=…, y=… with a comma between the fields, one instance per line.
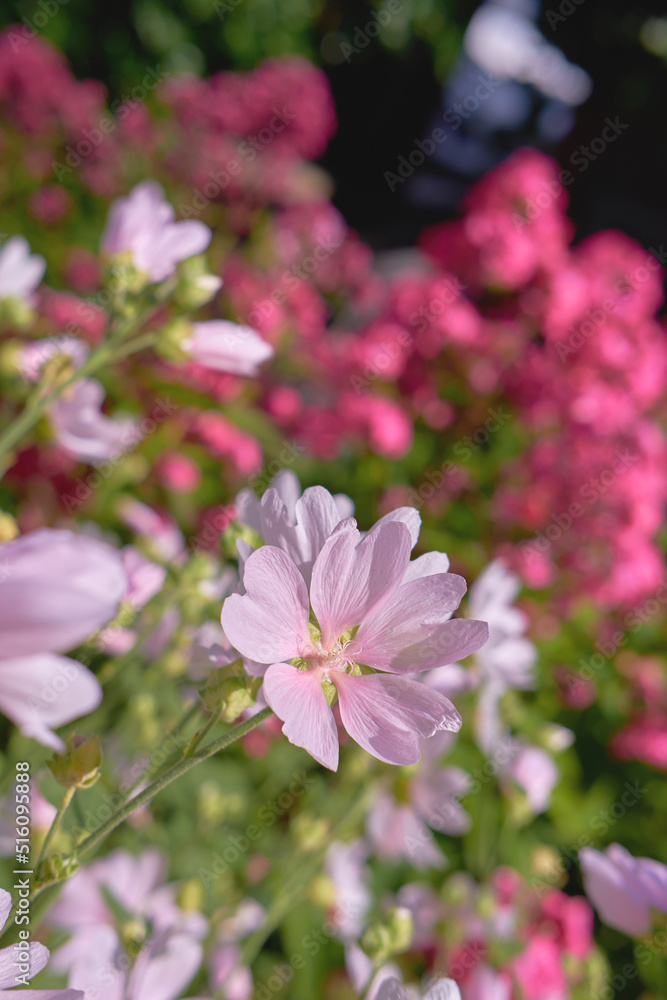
x=190, y=713
x=204, y=731
x=55, y=826
x=109, y=351
x=183, y=766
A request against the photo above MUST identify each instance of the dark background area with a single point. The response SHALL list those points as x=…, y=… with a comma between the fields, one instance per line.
x=386, y=94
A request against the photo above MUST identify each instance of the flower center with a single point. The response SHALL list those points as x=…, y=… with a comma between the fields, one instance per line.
x=336, y=657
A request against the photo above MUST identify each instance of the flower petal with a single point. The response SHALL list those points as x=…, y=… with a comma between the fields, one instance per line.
x=297, y=698
x=391, y=989
x=227, y=347
x=164, y=967
x=430, y=564
x=39, y=693
x=303, y=536
x=56, y=588
x=618, y=903
x=388, y=715
x=411, y=631
x=5, y=907
x=409, y=516
x=269, y=622
x=352, y=577
x=38, y=957
x=444, y=989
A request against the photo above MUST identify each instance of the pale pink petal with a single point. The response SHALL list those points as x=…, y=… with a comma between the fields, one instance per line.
x=86, y=432
x=412, y=630
x=297, y=698
x=390, y=989
x=409, y=516
x=352, y=577
x=5, y=907
x=444, y=989
x=131, y=879
x=388, y=715
x=430, y=564
x=608, y=889
x=228, y=347
x=20, y=271
x=41, y=692
x=46, y=995
x=176, y=242
x=164, y=968
x=302, y=536
x=534, y=770
x=37, y=958
x=487, y=984
x=90, y=958
x=269, y=622
x=56, y=588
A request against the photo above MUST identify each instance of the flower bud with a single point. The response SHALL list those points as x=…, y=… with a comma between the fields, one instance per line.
x=79, y=766
x=196, y=286
x=229, y=690
x=391, y=937
x=171, y=338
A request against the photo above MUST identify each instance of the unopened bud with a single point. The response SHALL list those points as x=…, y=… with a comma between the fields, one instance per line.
x=79, y=766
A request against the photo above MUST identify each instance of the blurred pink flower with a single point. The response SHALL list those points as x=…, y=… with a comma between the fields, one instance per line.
x=55, y=589
x=227, y=347
x=145, y=579
x=143, y=223
x=35, y=354
x=373, y=606
x=624, y=889
x=20, y=271
x=178, y=472
x=84, y=431
x=157, y=528
x=539, y=970
x=535, y=772
x=484, y=983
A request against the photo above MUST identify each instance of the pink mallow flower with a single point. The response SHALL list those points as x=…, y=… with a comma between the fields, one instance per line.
x=227, y=347
x=143, y=223
x=14, y=970
x=20, y=271
x=373, y=610
x=87, y=433
x=624, y=889
x=94, y=956
x=56, y=588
